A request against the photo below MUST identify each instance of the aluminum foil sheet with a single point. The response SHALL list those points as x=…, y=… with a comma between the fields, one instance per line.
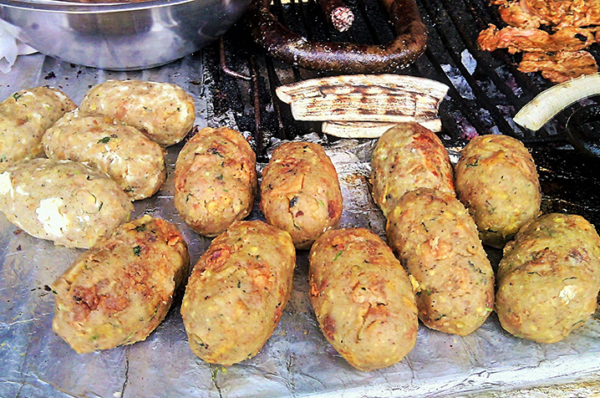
x=297, y=361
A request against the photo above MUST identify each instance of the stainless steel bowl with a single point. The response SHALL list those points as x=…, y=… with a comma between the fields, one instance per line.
x=120, y=36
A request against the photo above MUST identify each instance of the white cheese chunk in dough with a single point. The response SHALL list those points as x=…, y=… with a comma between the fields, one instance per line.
x=5, y=184
x=20, y=191
x=49, y=215
x=568, y=293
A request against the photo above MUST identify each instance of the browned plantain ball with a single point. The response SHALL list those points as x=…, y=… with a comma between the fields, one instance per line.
x=436, y=239
x=497, y=181
x=362, y=298
x=300, y=192
x=408, y=157
x=549, y=278
x=120, y=290
x=237, y=292
x=215, y=180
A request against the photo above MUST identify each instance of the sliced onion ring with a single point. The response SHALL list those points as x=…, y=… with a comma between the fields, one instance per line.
x=550, y=102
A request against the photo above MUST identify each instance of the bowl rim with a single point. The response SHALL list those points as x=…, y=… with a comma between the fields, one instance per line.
x=66, y=6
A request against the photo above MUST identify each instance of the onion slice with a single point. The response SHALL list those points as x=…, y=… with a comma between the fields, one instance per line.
x=550, y=102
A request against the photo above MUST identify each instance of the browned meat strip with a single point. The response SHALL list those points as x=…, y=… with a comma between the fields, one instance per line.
x=533, y=13
x=535, y=40
x=517, y=14
x=561, y=66
x=557, y=55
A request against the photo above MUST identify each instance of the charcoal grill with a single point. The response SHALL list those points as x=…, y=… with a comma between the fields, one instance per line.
x=486, y=89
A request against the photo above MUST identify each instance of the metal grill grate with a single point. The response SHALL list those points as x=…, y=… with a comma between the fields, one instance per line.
x=486, y=89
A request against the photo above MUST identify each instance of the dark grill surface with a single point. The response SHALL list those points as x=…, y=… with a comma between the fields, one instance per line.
x=486, y=89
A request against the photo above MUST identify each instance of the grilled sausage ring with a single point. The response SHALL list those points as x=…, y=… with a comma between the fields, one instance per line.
x=283, y=44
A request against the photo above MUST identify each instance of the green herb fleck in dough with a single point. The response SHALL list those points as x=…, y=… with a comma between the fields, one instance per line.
x=474, y=164
x=338, y=255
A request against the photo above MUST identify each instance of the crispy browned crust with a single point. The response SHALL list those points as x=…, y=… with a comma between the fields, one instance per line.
x=362, y=298
x=300, y=192
x=408, y=156
x=436, y=239
x=496, y=179
x=549, y=278
x=119, y=291
x=237, y=292
x=215, y=180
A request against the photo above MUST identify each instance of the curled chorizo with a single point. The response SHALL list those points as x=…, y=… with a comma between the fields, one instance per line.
x=408, y=45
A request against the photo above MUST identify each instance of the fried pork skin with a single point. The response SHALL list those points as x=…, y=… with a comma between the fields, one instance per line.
x=496, y=179
x=162, y=111
x=215, y=180
x=552, y=34
x=362, y=298
x=533, y=13
x=536, y=40
x=130, y=158
x=561, y=66
x=120, y=290
x=549, y=278
x=408, y=157
x=300, y=192
x=24, y=118
x=436, y=239
x=63, y=201
x=237, y=292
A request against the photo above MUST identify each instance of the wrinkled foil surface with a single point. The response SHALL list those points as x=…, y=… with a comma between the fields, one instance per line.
x=297, y=361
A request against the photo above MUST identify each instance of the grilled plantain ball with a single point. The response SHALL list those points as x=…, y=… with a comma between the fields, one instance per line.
x=362, y=298
x=63, y=201
x=237, y=292
x=24, y=118
x=215, y=180
x=408, y=157
x=162, y=111
x=549, y=278
x=436, y=239
x=120, y=290
x=300, y=192
x=130, y=158
x=497, y=181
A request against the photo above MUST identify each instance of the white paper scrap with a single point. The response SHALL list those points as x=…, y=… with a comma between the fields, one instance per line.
x=10, y=49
